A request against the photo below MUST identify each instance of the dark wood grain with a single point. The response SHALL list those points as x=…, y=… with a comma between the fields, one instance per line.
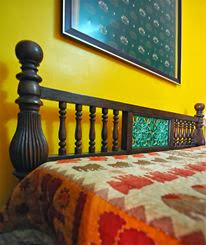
x=78, y=131
x=104, y=129
x=176, y=134
x=113, y=153
x=198, y=133
x=180, y=132
x=115, y=130
x=92, y=129
x=190, y=133
x=185, y=133
x=171, y=133
x=127, y=122
x=59, y=95
x=62, y=128
x=28, y=148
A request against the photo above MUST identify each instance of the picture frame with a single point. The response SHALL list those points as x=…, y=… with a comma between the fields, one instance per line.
x=144, y=33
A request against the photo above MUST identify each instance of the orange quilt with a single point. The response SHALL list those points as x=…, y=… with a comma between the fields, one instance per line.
x=142, y=199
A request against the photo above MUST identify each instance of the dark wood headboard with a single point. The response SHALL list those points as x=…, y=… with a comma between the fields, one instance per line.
x=29, y=147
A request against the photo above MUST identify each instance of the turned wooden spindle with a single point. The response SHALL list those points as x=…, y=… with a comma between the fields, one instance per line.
x=176, y=134
x=62, y=128
x=198, y=133
x=184, y=132
x=189, y=133
x=115, y=130
x=104, y=129
x=180, y=132
x=193, y=126
x=92, y=116
x=28, y=148
x=78, y=131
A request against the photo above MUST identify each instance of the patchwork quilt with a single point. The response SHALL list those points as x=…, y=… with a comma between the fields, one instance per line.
x=156, y=198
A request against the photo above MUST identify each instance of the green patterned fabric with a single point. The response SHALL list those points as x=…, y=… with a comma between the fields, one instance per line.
x=143, y=29
x=148, y=132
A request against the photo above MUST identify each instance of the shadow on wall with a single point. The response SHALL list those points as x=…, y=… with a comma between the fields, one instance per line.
x=8, y=112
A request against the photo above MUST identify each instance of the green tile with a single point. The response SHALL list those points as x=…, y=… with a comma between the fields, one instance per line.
x=149, y=131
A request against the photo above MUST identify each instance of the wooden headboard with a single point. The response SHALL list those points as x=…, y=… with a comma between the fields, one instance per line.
x=29, y=148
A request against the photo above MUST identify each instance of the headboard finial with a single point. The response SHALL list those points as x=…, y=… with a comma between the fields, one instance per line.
x=29, y=51
x=198, y=134
x=199, y=107
x=28, y=148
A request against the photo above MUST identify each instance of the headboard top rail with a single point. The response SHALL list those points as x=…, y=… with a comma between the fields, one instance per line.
x=69, y=97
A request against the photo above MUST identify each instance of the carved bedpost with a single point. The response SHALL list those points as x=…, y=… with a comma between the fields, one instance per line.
x=28, y=148
x=198, y=134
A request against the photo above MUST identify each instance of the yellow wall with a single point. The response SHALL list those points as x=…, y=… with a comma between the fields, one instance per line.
x=74, y=67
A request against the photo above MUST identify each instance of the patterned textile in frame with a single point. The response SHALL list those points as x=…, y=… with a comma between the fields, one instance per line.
x=149, y=131
x=142, y=29
x=155, y=198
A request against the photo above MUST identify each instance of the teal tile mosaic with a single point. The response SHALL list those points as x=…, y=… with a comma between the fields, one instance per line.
x=149, y=131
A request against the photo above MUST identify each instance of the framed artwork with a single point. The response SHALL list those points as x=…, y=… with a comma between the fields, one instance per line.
x=145, y=33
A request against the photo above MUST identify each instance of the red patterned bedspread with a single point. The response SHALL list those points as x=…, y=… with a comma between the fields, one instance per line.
x=142, y=199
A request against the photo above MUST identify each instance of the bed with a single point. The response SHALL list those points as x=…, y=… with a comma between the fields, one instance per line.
x=148, y=188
